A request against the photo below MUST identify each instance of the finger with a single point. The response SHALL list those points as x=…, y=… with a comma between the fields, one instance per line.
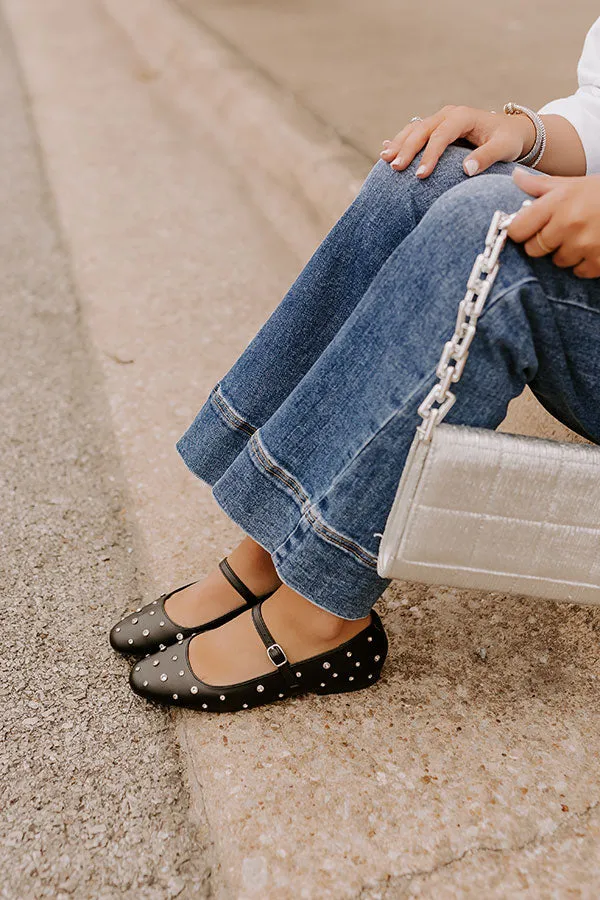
x=439, y=140
x=414, y=142
x=538, y=245
x=495, y=150
x=532, y=219
x=390, y=148
x=567, y=257
x=535, y=185
x=393, y=147
x=587, y=269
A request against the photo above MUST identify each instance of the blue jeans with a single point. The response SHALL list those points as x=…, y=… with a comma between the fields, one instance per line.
x=305, y=438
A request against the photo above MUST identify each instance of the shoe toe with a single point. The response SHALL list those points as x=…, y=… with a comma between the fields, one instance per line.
x=145, y=630
x=164, y=676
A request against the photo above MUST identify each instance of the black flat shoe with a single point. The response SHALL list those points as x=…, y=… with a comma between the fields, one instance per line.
x=149, y=628
x=167, y=677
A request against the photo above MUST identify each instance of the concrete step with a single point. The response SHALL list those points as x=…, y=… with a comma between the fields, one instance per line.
x=463, y=773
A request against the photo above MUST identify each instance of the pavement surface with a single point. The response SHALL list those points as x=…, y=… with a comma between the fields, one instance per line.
x=364, y=69
x=93, y=799
x=470, y=771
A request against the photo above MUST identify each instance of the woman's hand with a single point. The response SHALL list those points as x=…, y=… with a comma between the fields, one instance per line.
x=497, y=138
x=563, y=222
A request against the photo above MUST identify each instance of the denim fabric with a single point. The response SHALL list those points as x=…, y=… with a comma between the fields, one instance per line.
x=305, y=438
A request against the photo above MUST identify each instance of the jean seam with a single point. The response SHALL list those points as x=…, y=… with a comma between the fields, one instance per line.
x=263, y=459
x=228, y=414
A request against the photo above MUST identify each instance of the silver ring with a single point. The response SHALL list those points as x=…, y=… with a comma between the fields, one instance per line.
x=415, y=119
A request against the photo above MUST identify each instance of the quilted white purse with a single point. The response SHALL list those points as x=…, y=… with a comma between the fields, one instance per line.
x=477, y=508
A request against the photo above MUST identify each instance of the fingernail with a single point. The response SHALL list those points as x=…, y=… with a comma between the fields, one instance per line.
x=386, y=143
x=399, y=161
x=420, y=171
x=471, y=167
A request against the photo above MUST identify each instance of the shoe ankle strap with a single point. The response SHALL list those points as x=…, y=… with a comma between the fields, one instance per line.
x=237, y=583
x=275, y=652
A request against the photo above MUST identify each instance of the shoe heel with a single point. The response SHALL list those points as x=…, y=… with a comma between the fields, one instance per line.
x=344, y=685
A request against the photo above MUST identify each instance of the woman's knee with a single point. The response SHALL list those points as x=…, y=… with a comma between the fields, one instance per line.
x=470, y=205
x=386, y=191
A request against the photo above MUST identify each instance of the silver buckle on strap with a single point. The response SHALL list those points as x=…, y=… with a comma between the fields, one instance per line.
x=277, y=655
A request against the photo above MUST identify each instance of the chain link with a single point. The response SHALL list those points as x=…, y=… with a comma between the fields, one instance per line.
x=456, y=350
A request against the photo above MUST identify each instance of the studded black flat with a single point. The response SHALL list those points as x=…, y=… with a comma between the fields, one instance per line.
x=149, y=628
x=167, y=677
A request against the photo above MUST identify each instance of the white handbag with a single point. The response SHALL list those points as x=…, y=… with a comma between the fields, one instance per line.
x=477, y=508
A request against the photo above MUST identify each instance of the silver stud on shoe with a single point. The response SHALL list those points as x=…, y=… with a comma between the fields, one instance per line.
x=222, y=697
x=351, y=678
x=326, y=665
x=162, y=646
x=179, y=636
x=370, y=676
x=137, y=668
x=161, y=624
x=298, y=674
x=134, y=621
x=322, y=684
x=152, y=612
x=181, y=672
x=357, y=664
x=155, y=663
x=130, y=641
x=205, y=706
x=194, y=689
x=175, y=696
x=145, y=632
x=154, y=602
x=370, y=639
x=174, y=658
x=377, y=658
x=139, y=609
x=117, y=629
x=335, y=674
x=145, y=684
x=348, y=653
x=260, y=688
x=281, y=696
x=244, y=706
x=163, y=677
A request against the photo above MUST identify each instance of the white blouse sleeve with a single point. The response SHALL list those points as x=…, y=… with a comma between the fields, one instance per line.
x=582, y=109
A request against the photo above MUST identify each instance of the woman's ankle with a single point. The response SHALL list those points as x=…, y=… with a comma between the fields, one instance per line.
x=309, y=620
x=253, y=564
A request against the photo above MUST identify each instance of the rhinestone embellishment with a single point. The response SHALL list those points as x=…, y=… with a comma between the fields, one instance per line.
x=377, y=658
x=163, y=677
x=222, y=697
x=145, y=684
x=326, y=665
x=205, y=706
x=370, y=640
x=175, y=696
x=137, y=668
x=161, y=624
x=244, y=706
x=179, y=636
x=130, y=641
x=260, y=688
x=155, y=663
x=174, y=658
x=145, y=632
x=134, y=621
x=152, y=612
x=348, y=653
x=194, y=689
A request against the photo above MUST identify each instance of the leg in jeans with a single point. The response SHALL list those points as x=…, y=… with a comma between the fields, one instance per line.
x=314, y=483
x=387, y=209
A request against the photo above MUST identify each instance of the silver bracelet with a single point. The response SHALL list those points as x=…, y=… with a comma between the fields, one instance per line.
x=533, y=158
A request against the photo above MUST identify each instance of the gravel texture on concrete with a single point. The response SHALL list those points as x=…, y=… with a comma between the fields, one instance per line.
x=93, y=801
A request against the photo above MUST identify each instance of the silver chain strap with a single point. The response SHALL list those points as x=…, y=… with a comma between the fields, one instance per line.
x=456, y=350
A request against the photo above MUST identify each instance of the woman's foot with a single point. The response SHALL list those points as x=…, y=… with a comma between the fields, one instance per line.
x=214, y=596
x=236, y=653
x=242, y=580
x=282, y=647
